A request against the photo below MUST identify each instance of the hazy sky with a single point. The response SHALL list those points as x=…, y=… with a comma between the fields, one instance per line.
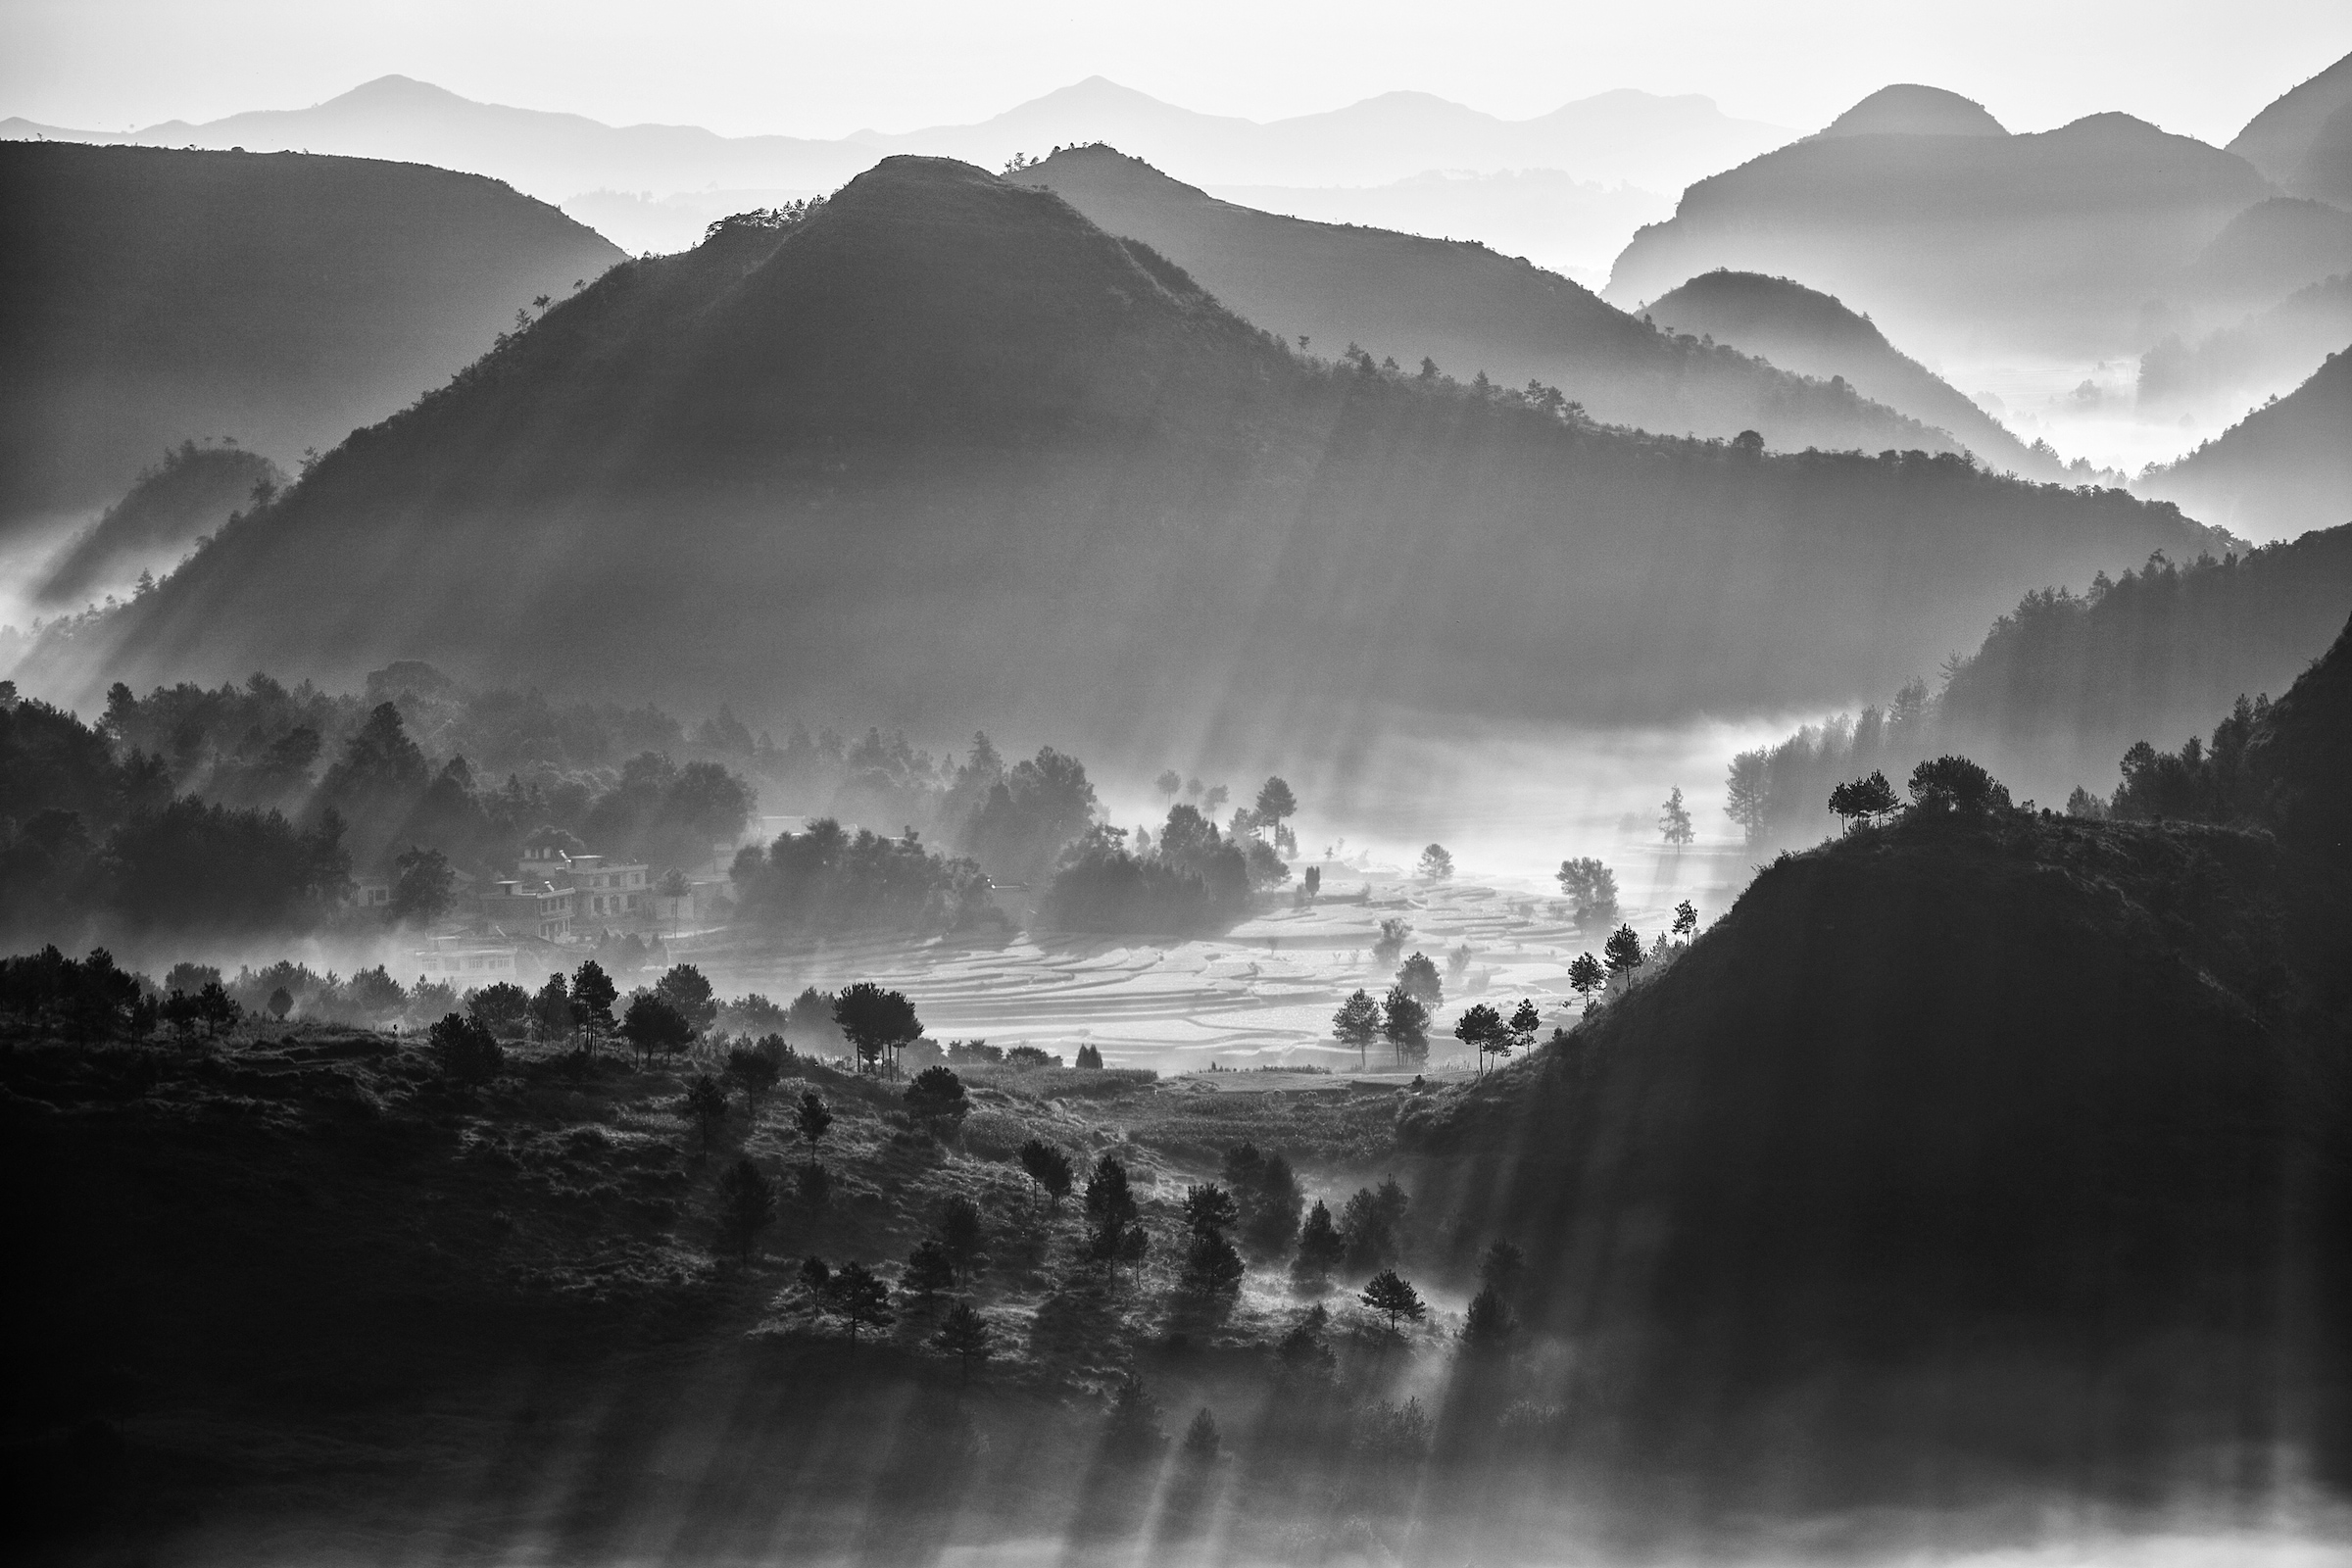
x=738, y=66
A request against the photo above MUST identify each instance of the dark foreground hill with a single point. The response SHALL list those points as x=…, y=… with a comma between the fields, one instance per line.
x=1815, y=334
x=1986, y=1139
x=1472, y=310
x=148, y=295
x=946, y=448
x=2056, y=239
x=2283, y=467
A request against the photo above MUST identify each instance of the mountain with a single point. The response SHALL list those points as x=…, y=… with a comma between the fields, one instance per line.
x=2271, y=250
x=946, y=451
x=2259, y=357
x=1910, y=110
x=2283, y=467
x=1657, y=143
x=1823, y=1189
x=2297, y=137
x=1462, y=305
x=1814, y=334
x=147, y=295
x=2055, y=240
x=190, y=493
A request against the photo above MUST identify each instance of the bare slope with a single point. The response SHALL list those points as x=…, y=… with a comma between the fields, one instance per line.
x=1813, y=333
x=1471, y=309
x=2055, y=239
x=149, y=295
x=2283, y=469
x=947, y=449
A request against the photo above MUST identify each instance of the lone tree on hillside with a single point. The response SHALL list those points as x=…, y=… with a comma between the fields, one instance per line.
x=1388, y=1294
x=1406, y=1024
x=1048, y=1168
x=1584, y=977
x=1686, y=920
x=1872, y=799
x=860, y=1300
x=1436, y=864
x=1419, y=975
x=812, y=1118
x=1524, y=1024
x=1674, y=819
x=964, y=1334
x=1623, y=954
x=1356, y=1024
x=937, y=1099
x=747, y=1205
x=706, y=1101
x=877, y=1023
x=1482, y=1029
x=685, y=990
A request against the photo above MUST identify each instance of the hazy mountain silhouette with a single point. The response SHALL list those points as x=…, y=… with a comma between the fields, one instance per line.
x=1910, y=110
x=1823, y=1187
x=2056, y=241
x=947, y=449
x=2259, y=357
x=149, y=295
x=190, y=493
x=2271, y=250
x=2283, y=469
x=1814, y=334
x=2292, y=127
x=1657, y=143
x=2327, y=166
x=1467, y=308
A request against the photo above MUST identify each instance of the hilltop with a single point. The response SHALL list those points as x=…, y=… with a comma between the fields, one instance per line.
x=946, y=448
x=2055, y=239
x=2298, y=137
x=2284, y=466
x=1812, y=333
x=188, y=495
x=148, y=295
x=1406, y=297
x=1828, y=1162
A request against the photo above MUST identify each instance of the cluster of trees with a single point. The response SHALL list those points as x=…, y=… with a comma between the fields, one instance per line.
x=827, y=878
x=1592, y=892
x=1190, y=878
x=1941, y=786
x=2201, y=782
x=1774, y=794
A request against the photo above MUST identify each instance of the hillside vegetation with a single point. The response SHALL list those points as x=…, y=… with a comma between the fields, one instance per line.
x=2283, y=469
x=150, y=295
x=891, y=456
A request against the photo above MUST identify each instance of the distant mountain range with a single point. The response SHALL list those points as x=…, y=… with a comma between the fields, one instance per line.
x=1467, y=308
x=2303, y=140
x=147, y=295
x=2057, y=240
x=1812, y=333
x=948, y=448
x=1656, y=144
x=2283, y=468
x=2269, y=352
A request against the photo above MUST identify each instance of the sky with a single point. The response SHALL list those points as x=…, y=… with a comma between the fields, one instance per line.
x=741, y=67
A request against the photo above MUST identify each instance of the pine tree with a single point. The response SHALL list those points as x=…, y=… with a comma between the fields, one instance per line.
x=1356, y=1024
x=964, y=1334
x=1321, y=1248
x=1392, y=1297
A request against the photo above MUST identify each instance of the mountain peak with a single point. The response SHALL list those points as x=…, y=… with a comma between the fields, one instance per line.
x=1908, y=109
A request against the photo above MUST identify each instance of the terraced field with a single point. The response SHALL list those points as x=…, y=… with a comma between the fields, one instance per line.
x=1259, y=995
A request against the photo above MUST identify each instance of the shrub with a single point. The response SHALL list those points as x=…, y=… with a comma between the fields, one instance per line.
x=467, y=1051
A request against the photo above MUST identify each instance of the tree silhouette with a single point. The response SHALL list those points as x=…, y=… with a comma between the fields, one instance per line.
x=685, y=990
x=929, y=1270
x=421, y=883
x=652, y=1024
x=1436, y=864
x=466, y=1050
x=754, y=1072
x=1501, y=1268
x=217, y=1007
x=1623, y=952
x=860, y=1300
x=1356, y=1024
x=959, y=1233
x=1132, y=1430
x=1685, y=919
x=1871, y=798
x=1211, y=1267
x=1388, y=1294
x=1088, y=1058
x=1202, y=1440
x=1951, y=785
x=706, y=1102
x=1168, y=783
x=1391, y=942
x=1049, y=1168
x=1674, y=819
x=592, y=997
x=877, y=1023
x=1585, y=976
x=811, y=1117
x=1482, y=1029
x=1488, y=1324
x=964, y=1334
x=1592, y=889
x=1406, y=1023
x=1419, y=976
x=1321, y=1248
x=503, y=1009
x=1275, y=802
x=551, y=1008
x=1209, y=1208
x=936, y=1099
x=281, y=1002
x=747, y=1203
